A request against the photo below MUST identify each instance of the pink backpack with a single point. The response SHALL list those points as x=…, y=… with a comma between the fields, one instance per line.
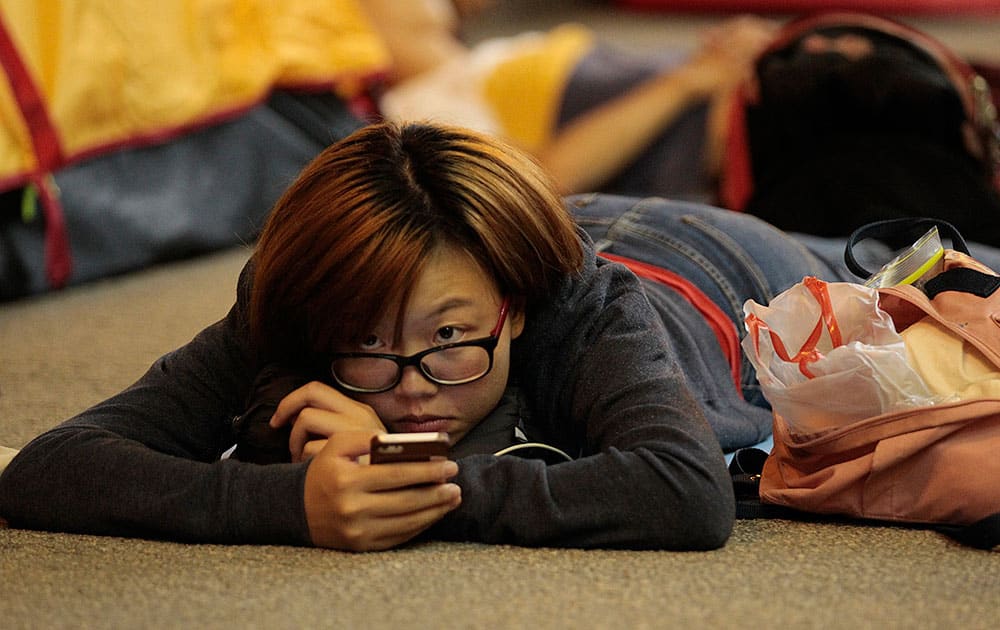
x=935, y=465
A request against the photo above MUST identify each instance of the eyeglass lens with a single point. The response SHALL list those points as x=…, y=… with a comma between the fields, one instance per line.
x=446, y=366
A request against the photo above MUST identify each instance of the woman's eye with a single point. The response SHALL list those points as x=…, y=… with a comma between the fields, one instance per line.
x=446, y=334
x=370, y=342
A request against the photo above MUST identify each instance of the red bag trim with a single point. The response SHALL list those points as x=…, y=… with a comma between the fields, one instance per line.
x=44, y=137
x=48, y=153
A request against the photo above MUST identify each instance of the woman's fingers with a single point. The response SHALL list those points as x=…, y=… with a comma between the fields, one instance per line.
x=313, y=424
x=401, y=502
x=381, y=477
x=350, y=445
x=355, y=506
x=310, y=449
x=391, y=532
x=390, y=518
x=317, y=410
x=316, y=395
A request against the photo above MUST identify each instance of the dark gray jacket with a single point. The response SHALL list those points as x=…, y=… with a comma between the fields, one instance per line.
x=595, y=368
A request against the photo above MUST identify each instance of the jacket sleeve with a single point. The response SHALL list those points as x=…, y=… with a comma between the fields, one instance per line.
x=146, y=461
x=651, y=475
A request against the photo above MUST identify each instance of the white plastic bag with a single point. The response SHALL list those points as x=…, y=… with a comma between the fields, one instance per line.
x=827, y=355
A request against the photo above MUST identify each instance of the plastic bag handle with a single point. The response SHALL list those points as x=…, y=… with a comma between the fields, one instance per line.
x=807, y=353
x=895, y=228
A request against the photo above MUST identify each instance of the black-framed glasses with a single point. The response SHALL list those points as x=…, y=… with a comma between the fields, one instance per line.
x=449, y=364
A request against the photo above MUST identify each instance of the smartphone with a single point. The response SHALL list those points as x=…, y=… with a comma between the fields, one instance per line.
x=409, y=447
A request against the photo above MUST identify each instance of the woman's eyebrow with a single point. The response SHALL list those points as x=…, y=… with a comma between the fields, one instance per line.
x=452, y=304
x=449, y=305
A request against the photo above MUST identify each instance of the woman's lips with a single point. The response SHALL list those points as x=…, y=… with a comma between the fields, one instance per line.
x=420, y=425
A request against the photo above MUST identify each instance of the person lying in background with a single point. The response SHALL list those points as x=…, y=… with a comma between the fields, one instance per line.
x=817, y=125
x=852, y=118
x=427, y=278
x=598, y=118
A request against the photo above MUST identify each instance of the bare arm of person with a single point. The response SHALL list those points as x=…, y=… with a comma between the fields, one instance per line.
x=596, y=145
x=419, y=34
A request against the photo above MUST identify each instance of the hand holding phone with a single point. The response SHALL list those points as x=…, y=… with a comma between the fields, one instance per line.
x=360, y=507
x=409, y=447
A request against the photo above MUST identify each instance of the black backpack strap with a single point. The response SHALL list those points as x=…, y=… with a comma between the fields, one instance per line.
x=892, y=230
x=983, y=534
x=962, y=279
x=745, y=468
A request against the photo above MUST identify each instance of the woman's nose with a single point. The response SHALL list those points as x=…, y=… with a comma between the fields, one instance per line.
x=414, y=383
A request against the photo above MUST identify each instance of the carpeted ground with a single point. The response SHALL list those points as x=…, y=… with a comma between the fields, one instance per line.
x=62, y=352
x=771, y=574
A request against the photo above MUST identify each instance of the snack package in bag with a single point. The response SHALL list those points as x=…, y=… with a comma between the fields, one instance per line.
x=826, y=355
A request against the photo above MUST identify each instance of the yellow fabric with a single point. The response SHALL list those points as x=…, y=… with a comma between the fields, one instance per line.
x=112, y=71
x=948, y=364
x=6, y=456
x=525, y=90
x=16, y=152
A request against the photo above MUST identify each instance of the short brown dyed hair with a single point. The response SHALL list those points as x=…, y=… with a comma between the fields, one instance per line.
x=348, y=238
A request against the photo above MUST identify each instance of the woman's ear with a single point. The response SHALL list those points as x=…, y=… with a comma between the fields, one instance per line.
x=516, y=322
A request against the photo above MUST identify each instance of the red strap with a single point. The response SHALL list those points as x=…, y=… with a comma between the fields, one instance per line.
x=736, y=180
x=718, y=321
x=43, y=133
x=58, y=257
x=807, y=353
x=48, y=153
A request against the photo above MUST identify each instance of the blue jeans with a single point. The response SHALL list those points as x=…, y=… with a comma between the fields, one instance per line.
x=731, y=257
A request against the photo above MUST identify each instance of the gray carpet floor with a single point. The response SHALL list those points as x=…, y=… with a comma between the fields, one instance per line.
x=61, y=352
